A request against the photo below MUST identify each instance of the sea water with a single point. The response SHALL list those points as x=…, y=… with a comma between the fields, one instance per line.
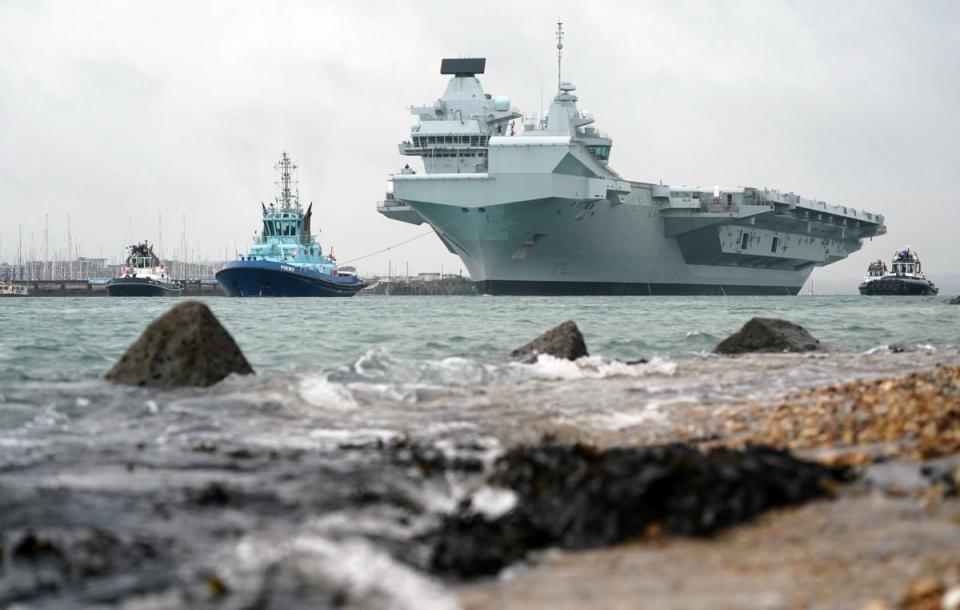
x=299, y=447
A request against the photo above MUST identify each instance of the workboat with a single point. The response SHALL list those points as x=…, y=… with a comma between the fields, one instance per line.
x=535, y=206
x=286, y=259
x=10, y=289
x=905, y=277
x=143, y=275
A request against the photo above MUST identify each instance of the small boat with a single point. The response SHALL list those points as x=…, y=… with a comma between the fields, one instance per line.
x=144, y=275
x=10, y=289
x=286, y=260
x=904, y=278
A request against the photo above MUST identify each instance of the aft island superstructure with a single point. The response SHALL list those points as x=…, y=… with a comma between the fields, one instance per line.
x=540, y=210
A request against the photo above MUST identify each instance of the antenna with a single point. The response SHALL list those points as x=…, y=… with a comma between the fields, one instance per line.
x=559, y=51
x=287, y=195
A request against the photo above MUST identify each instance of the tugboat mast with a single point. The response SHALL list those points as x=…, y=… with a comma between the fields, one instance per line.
x=289, y=193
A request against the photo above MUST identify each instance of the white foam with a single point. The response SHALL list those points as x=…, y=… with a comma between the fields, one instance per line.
x=594, y=367
x=368, y=577
x=618, y=420
x=492, y=502
x=321, y=392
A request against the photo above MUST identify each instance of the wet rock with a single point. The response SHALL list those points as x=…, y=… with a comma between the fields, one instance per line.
x=186, y=346
x=563, y=341
x=44, y=563
x=955, y=301
x=36, y=550
x=212, y=494
x=430, y=460
x=768, y=335
x=574, y=496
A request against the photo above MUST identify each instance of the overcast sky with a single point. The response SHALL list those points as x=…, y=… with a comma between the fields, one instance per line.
x=117, y=112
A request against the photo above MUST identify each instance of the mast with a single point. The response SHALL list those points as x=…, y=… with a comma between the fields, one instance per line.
x=288, y=195
x=559, y=52
x=69, y=249
x=183, y=249
x=46, y=247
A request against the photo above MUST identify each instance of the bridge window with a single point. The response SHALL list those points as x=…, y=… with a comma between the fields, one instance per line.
x=776, y=242
x=744, y=241
x=729, y=199
x=602, y=152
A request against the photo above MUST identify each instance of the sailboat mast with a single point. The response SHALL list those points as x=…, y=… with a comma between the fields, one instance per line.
x=46, y=246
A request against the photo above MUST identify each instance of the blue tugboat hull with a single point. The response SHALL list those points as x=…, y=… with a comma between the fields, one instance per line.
x=273, y=279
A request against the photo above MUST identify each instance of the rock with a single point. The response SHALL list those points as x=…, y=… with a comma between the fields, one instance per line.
x=576, y=497
x=955, y=301
x=768, y=335
x=563, y=341
x=186, y=346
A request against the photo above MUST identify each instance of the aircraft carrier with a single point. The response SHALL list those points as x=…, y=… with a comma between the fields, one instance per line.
x=539, y=210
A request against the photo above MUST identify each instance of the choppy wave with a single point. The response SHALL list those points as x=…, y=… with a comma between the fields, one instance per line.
x=378, y=376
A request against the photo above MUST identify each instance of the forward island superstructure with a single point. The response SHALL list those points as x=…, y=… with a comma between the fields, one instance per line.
x=541, y=211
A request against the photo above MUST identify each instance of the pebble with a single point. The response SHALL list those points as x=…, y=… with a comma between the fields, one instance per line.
x=951, y=599
x=916, y=416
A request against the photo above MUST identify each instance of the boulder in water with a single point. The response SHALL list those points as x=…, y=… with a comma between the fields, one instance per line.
x=955, y=301
x=563, y=341
x=768, y=335
x=186, y=346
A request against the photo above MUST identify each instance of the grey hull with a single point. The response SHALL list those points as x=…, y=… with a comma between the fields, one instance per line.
x=522, y=288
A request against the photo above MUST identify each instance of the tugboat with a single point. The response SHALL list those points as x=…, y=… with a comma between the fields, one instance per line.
x=906, y=278
x=143, y=276
x=286, y=260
